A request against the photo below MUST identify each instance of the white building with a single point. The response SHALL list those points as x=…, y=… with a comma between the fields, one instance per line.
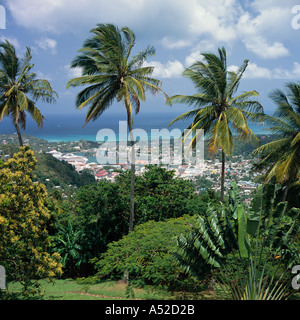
x=69, y=157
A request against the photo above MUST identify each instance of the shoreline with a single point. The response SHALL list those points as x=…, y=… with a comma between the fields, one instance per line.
x=93, y=138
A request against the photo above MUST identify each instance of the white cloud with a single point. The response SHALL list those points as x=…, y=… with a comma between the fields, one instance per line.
x=271, y=17
x=264, y=49
x=13, y=40
x=216, y=18
x=172, y=69
x=254, y=71
x=41, y=75
x=201, y=47
x=170, y=43
x=281, y=73
x=262, y=25
x=166, y=18
x=73, y=72
x=193, y=57
x=47, y=44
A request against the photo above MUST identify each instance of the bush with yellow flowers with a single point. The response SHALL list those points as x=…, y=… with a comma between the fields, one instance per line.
x=24, y=239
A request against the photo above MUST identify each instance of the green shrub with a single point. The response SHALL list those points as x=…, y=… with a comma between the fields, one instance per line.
x=146, y=254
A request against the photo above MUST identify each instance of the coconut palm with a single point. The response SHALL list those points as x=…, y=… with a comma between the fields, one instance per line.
x=19, y=88
x=217, y=110
x=282, y=157
x=110, y=73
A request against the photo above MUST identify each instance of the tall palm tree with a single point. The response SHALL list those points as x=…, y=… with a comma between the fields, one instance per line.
x=282, y=157
x=110, y=73
x=19, y=88
x=216, y=108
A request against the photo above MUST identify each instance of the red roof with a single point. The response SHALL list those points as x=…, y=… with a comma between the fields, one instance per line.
x=101, y=173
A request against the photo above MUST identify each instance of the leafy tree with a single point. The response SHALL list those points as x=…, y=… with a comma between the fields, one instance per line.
x=67, y=244
x=159, y=195
x=281, y=157
x=101, y=214
x=110, y=74
x=19, y=88
x=146, y=253
x=217, y=110
x=24, y=246
x=60, y=210
x=60, y=173
x=102, y=209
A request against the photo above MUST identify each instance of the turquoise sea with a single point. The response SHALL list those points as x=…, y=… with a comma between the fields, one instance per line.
x=70, y=127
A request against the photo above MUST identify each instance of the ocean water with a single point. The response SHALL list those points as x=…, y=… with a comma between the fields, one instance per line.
x=70, y=127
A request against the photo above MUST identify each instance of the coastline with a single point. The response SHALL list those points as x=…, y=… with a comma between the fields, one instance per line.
x=258, y=130
x=69, y=128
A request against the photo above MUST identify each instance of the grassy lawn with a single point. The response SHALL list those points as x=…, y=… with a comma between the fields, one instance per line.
x=70, y=289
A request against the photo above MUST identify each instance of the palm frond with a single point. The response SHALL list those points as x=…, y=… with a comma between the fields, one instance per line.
x=109, y=73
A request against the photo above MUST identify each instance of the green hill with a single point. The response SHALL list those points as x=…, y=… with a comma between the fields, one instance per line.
x=54, y=173
x=50, y=171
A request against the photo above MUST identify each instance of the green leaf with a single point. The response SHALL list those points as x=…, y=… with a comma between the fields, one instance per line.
x=243, y=237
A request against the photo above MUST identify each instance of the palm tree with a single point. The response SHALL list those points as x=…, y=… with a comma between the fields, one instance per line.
x=282, y=157
x=216, y=108
x=17, y=84
x=111, y=74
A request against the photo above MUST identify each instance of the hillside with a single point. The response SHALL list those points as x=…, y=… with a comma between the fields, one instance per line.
x=50, y=171
x=54, y=173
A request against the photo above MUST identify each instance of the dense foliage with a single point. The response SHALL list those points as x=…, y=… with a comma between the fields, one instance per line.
x=101, y=210
x=54, y=220
x=53, y=172
x=158, y=194
x=146, y=253
x=245, y=247
x=24, y=246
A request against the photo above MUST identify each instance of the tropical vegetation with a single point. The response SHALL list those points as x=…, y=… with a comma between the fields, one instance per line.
x=281, y=158
x=20, y=89
x=216, y=108
x=183, y=240
x=110, y=73
x=24, y=246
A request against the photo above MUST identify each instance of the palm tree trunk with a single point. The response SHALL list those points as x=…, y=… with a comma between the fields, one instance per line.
x=19, y=134
x=223, y=176
x=132, y=181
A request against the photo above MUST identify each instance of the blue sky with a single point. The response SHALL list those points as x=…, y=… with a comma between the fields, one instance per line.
x=260, y=30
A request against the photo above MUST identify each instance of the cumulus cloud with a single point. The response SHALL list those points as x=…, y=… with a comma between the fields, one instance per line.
x=175, y=24
x=73, y=72
x=201, y=47
x=254, y=71
x=281, y=73
x=264, y=49
x=170, y=43
x=215, y=18
x=159, y=18
x=172, y=69
x=47, y=44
